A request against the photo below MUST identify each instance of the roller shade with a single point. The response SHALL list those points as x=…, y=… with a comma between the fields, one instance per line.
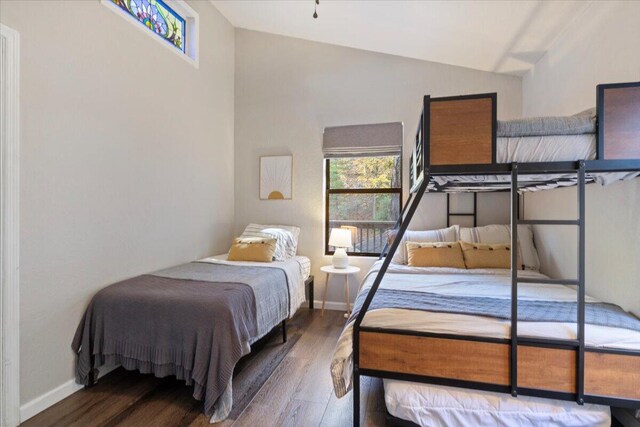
x=381, y=139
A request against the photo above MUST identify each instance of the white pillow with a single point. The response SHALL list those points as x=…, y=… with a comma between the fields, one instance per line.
x=286, y=238
x=441, y=235
x=502, y=234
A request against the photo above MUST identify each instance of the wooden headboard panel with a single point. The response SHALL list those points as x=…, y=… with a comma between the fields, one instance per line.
x=462, y=130
x=618, y=121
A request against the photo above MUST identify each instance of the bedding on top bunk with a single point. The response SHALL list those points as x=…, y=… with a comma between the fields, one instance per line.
x=578, y=124
x=542, y=139
x=529, y=149
x=194, y=321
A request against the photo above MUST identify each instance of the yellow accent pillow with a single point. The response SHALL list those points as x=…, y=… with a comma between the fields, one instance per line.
x=435, y=254
x=484, y=255
x=258, y=249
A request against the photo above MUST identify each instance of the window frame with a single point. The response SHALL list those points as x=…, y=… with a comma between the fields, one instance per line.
x=192, y=29
x=329, y=191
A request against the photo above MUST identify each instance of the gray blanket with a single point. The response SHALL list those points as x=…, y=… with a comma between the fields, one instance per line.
x=269, y=287
x=192, y=321
x=602, y=314
x=578, y=124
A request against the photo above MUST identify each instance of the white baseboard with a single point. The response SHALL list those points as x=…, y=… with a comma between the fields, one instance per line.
x=331, y=305
x=54, y=396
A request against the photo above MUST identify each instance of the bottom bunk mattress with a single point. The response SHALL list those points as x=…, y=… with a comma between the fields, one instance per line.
x=442, y=406
x=193, y=321
x=444, y=313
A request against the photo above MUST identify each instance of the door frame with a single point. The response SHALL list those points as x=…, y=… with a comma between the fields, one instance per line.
x=9, y=226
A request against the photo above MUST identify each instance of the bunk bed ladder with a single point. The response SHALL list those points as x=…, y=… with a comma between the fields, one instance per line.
x=581, y=284
x=514, y=281
x=577, y=344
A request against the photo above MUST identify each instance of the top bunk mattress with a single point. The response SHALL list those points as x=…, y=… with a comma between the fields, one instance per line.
x=537, y=140
x=532, y=149
x=546, y=148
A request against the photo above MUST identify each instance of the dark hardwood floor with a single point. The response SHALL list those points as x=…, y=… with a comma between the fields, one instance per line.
x=277, y=385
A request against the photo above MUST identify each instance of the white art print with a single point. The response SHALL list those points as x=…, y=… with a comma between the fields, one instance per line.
x=276, y=178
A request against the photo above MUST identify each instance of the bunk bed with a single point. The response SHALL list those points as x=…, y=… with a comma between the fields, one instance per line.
x=457, y=150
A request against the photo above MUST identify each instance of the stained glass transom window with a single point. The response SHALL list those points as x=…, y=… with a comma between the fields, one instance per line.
x=157, y=16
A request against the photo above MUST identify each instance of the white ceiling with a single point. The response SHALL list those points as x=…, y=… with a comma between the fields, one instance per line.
x=500, y=36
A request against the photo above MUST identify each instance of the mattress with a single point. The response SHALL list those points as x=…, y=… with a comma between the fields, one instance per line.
x=305, y=266
x=436, y=405
x=441, y=406
x=494, y=283
x=531, y=149
x=549, y=148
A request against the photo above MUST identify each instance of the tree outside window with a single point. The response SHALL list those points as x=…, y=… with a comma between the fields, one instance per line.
x=363, y=194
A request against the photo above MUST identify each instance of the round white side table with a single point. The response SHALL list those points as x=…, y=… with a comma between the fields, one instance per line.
x=346, y=272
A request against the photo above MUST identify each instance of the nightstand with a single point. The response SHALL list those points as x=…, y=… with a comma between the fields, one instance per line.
x=346, y=272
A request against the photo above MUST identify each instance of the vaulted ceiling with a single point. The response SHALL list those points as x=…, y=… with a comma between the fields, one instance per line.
x=500, y=36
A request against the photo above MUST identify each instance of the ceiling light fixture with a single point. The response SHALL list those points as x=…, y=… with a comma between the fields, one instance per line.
x=315, y=12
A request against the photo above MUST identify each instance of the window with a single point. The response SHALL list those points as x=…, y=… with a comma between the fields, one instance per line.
x=157, y=17
x=171, y=22
x=363, y=194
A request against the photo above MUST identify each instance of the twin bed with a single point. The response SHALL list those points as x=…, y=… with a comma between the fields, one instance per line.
x=193, y=321
x=509, y=346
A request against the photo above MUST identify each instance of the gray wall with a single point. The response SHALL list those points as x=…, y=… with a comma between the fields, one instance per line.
x=603, y=46
x=288, y=90
x=126, y=163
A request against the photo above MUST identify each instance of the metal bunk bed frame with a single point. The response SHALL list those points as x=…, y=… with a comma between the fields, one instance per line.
x=623, y=156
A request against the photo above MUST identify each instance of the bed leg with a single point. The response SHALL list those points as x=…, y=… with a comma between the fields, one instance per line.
x=356, y=398
x=284, y=331
x=92, y=381
x=92, y=374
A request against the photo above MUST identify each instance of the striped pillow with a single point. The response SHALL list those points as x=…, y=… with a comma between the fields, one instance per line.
x=286, y=238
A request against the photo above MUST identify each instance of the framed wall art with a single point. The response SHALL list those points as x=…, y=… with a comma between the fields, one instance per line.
x=276, y=177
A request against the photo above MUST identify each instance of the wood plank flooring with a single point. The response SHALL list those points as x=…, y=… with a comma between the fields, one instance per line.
x=277, y=385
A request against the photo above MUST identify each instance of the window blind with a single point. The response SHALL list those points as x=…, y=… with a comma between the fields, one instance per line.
x=381, y=139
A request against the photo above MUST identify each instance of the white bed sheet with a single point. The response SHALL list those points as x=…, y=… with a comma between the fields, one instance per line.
x=440, y=406
x=493, y=283
x=436, y=405
x=549, y=148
